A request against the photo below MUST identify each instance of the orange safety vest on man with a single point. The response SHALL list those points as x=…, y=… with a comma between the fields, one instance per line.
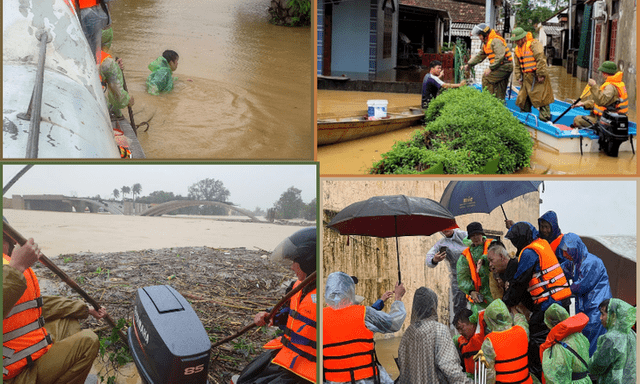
x=470, y=348
x=525, y=57
x=24, y=338
x=550, y=280
x=511, y=347
x=472, y=267
x=87, y=3
x=489, y=52
x=103, y=56
x=348, y=352
x=554, y=244
x=298, y=344
x=622, y=105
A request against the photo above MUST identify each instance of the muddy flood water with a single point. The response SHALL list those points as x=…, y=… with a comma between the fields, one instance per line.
x=244, y=88
x=356, y=157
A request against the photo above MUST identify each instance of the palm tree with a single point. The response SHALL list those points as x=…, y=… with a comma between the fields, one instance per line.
x=116, y=193
x=124, y=190
x=135, y=190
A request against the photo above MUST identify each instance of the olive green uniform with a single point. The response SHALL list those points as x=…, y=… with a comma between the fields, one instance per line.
x=71, y=356
x=608, y=96
x=498, y=80
x=542, y=94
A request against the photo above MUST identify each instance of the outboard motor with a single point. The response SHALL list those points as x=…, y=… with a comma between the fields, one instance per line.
x=613, y=129
x=167, y=339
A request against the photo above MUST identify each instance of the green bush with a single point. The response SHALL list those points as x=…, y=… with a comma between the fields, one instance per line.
x=466, y=132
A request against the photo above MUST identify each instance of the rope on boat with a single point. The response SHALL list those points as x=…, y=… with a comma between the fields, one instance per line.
x=35, y=106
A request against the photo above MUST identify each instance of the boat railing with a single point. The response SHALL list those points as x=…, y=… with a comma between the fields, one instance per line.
x=34, y=111
x=535, y=119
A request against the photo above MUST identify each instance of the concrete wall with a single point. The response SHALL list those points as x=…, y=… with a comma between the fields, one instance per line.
x=373, y=260
x=626, y=46
x=389, y=63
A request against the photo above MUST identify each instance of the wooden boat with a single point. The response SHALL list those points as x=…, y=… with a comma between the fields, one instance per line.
x=332, y=131
x=560, y=136
x=74, y=120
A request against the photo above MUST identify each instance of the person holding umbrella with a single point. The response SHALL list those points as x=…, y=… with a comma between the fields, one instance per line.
x=473, y=277
x=348, y=350
x=540, y=276
x=450, y=247
x=290, y=358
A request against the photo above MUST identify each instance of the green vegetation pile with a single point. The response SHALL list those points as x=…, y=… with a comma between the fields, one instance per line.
x=466, y=132
x=226, y=288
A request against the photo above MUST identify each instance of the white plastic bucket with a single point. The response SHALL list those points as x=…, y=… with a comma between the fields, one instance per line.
x=377, y=108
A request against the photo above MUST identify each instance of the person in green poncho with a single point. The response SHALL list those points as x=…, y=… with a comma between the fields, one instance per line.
x=111, y=76
x=161, y=78
x=560, y=364
x=473, y=281
x=615, y=358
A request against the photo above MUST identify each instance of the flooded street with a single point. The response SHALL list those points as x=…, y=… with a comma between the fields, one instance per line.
x=355, y=157
x=244, y=87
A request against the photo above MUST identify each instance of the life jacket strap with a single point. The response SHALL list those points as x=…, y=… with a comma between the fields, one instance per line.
x=347, y=343
x=297, y=316
x=287, y=344
x=39, y=323
x=14, y=357
x=515, y=382
x=36, y=303
x=546, y=282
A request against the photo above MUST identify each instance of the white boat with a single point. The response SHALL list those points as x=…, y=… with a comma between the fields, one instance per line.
x=74, y=119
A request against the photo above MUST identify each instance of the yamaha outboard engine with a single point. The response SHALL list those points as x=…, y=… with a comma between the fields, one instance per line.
x=613, y=129
x=167, y=339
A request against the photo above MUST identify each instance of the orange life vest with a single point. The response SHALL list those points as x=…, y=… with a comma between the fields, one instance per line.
x=469, y=348
x=511, y=348
x=87, y=3
x=24, y=338
x=574, y=324
x=554, y=244
x=525, y=57
x=348, y=352
x=477, y=283
x=298, y=344
x=622, y=105
x=489, y=52
x=550, y=280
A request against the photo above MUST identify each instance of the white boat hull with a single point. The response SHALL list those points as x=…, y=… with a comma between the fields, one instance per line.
x=75, y=121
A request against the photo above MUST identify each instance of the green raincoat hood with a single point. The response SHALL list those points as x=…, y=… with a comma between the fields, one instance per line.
x=620, y=316
x=497, y=316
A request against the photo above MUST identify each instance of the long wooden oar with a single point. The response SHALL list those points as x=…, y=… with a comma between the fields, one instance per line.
x=16, y=177
x=311, y=278
x=585, y=93
x=18, y=238
x=133, y=123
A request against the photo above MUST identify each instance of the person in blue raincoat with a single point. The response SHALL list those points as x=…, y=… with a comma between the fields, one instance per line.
x=549, y=230
x=161, y=78
x=590, y=285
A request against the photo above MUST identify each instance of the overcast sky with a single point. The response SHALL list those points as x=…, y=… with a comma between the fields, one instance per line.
x=592, y=207
x=250, y=186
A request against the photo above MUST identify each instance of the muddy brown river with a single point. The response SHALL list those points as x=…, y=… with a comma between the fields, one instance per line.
x=244, y=88
x=356, y=157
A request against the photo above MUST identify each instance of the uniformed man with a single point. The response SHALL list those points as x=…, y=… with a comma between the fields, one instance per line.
x=530, y=70
x=612, y=94
x=494, y=48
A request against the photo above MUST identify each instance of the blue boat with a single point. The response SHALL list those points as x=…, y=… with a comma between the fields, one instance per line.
x=559, y=136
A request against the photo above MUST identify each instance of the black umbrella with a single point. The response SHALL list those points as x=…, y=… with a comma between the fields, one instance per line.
x=462, y=197
x=399, y=215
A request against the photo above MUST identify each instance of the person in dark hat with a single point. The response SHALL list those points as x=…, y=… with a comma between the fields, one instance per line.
x=611, y=95
x=494, y=47
x=538, y=268
x=473, y=277
x=290, y=358
x=530, y=70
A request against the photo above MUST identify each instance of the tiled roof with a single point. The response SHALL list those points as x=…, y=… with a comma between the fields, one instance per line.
x=553, y=30
x=460, y=12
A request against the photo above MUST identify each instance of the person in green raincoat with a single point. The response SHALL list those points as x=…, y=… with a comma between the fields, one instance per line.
x=503, y=341
x=465, y=271
x=112, y=77
x=560, y=364
x=614, y=361
x=161, y=78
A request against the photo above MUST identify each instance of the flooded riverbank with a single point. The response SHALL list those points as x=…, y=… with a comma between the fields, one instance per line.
x=244, y=87
x=356, y=157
